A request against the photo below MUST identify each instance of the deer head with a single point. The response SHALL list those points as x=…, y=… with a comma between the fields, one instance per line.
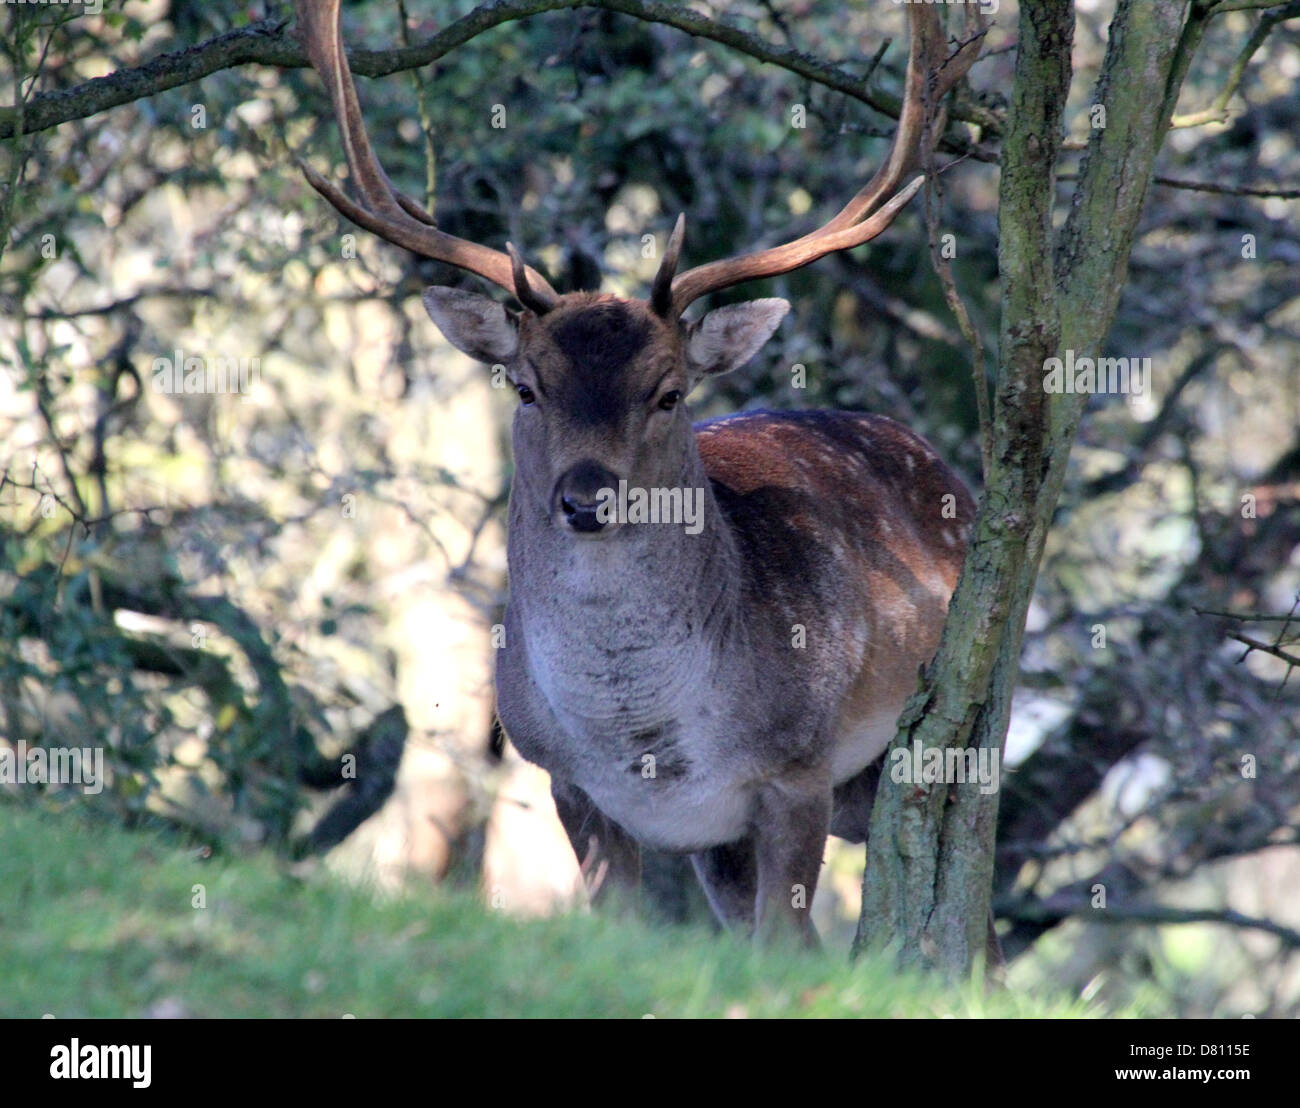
x=601, y=383
x=602, y=380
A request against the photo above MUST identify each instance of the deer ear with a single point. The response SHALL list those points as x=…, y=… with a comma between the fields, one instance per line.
x=473, y=324
x=727, y=338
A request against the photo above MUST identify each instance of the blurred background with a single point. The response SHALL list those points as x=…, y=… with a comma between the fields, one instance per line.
x=273, y=607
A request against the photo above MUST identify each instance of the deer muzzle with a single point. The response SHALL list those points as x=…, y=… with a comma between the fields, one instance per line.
x=582, y=497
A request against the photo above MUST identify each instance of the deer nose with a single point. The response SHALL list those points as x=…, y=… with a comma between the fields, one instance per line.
x=581, y=496
x=581, y=517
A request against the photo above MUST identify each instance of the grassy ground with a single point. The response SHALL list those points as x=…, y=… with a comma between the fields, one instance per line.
x=97, y=921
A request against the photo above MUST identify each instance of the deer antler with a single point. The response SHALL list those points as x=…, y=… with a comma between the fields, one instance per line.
x=869, y=212
x=395, y=217
x=382, y=209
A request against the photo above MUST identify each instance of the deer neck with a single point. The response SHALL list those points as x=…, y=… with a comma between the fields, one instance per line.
x=624, y=627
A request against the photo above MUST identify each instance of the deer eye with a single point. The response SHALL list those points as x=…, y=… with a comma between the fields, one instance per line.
x=669, y=400
x=525, y=394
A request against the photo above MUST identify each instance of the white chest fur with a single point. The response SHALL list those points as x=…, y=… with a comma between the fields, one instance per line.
x=639, y=712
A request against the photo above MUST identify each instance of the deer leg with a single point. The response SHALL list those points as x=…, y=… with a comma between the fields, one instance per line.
x=608, y=856
x=854, y=799
x=791, y=825
x=729, y=877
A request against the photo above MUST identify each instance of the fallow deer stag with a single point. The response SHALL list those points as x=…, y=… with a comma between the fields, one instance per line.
x=724, y=690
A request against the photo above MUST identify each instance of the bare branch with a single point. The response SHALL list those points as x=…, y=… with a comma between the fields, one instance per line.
x=1268, y=648
x=943, y=270
x=1207, y=186
x=1225, y=6
x=1227, y=190
x=1055, y=910
x=1245, y=617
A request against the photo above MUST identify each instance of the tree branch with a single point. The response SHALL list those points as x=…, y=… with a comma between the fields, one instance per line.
x=1268, y=648
x=930, y=848
x=271, y=42
x=1057, y=909
x=1217, y=112
x=1207, y=186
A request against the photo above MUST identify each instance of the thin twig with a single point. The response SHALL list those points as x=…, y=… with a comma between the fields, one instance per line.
x=1267, y=648
x=1207, y=186
x=1053, y=910
x=1245, y=617
x=943, y=270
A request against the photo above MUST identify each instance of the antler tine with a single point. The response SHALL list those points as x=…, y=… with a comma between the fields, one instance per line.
x=661, y=292
x=382, y=209
x=523, y=289
x=925, y=62
x=865, y=216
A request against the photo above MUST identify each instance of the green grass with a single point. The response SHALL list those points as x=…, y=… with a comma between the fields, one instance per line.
x=98, y=921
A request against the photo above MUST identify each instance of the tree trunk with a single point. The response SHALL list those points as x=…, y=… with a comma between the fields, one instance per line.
x=926, y=890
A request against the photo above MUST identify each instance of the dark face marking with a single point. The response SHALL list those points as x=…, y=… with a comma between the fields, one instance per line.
x=600, y=342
